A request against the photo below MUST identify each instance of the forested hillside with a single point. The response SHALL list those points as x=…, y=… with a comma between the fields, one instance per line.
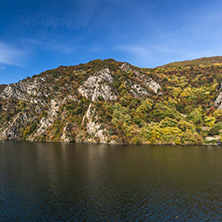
x=115, y=102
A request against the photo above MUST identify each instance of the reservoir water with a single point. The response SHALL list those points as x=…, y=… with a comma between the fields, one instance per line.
x=83, y=182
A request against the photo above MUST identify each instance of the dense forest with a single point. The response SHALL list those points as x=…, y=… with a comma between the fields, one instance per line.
x=105, y=101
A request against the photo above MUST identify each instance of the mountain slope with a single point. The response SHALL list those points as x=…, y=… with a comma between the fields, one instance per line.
x=196, y=62
x=115, y=102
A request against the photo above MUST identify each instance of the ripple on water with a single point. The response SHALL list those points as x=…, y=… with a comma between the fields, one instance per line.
x=102, y=183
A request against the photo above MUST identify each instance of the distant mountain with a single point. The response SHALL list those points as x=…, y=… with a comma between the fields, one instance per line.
x=105, y=101
x=202, y=61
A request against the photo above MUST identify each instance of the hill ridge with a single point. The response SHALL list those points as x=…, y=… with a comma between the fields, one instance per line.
x=106, y=101
x=195, y=62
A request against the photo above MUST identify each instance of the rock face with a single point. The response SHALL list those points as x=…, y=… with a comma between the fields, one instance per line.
x=16, y=91
x=98, y=85
x=48, y=121
x=64, y=137
x=94, y=127
x=126, y=67
x=13, y=130
x=139, y=91
x=2, y=87
x=150, y=83
x=218, y=101
x=23, y=90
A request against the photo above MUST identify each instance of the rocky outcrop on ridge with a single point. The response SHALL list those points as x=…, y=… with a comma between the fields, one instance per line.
x=98, y=85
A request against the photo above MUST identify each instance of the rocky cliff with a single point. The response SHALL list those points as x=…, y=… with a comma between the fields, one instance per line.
x=114, y=102
x=2, y=87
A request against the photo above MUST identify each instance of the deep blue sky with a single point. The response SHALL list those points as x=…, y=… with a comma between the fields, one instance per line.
x=36, y=35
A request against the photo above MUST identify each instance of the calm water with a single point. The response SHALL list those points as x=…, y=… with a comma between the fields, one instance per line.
x=77, y=182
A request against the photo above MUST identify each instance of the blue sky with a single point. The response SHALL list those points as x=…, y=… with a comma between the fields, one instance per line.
x=38, y=35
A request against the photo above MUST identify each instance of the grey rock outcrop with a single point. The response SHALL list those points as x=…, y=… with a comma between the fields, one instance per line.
x=98, y=85
x=139, y=91
x=65, y=138
x=13, y=130
x=94, y=127
x=149, y=82
x=126, y=67
x=23, y=90
x=218, y=101
x=46, y=122
x=2, y=87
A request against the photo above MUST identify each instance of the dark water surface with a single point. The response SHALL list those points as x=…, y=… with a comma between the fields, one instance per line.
x=78, y=182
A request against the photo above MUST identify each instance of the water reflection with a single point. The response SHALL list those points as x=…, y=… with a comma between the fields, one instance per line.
x=40, y=181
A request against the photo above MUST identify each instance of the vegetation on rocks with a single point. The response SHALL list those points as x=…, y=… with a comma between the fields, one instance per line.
x=114, y=102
